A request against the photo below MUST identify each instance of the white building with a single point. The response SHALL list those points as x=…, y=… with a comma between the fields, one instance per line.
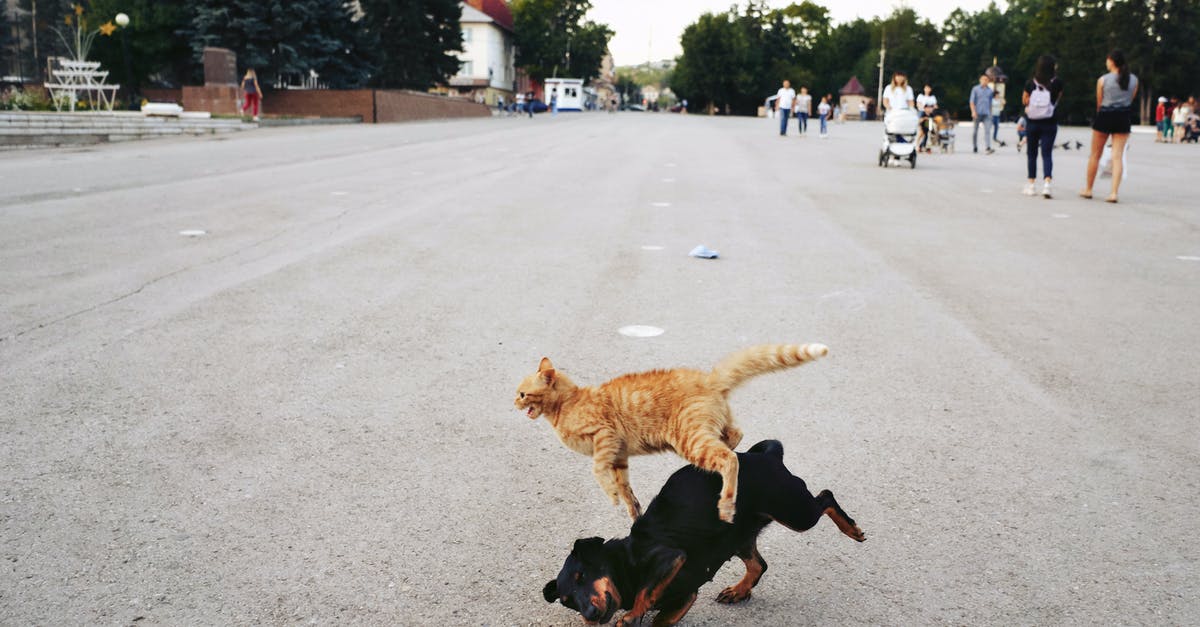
x=488, y=69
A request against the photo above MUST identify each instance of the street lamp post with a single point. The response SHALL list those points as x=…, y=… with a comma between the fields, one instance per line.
x=122, y=20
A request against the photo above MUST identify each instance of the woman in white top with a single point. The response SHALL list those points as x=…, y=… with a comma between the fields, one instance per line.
x=898, y=95
x=1179, y=120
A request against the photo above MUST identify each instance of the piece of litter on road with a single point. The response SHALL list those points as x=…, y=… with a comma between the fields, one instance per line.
x=652, y=247
x=640, y=330
x=704, y=252
x=1187, y=258
x=660, y=204
x=193, y=233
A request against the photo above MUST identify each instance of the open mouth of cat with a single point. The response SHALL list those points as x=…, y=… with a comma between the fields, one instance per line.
x=531, y=412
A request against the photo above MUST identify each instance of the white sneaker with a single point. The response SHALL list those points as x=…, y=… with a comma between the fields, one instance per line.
x=1028, y=189
x=1045, y=189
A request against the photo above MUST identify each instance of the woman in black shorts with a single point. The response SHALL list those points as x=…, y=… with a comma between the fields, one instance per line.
x=1115, y=92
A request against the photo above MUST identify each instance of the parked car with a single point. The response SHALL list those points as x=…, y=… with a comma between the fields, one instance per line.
x=539, y=106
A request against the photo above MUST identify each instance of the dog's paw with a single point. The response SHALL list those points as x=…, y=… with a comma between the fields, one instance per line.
x=857, y=534
x=627, y=621
x=733, y=594
x=725, y=510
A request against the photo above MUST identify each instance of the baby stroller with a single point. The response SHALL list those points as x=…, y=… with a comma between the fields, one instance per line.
x=899, y=137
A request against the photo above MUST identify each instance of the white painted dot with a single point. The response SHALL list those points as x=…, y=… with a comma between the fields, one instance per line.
x=193, y=233
x=652, y=247
x=660, y=204
x=638, y=330
x=1188, y=258
x=1060, y=215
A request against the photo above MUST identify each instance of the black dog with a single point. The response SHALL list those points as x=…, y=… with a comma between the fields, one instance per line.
x=679, y=543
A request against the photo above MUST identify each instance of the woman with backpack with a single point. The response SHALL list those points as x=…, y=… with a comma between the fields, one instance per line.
x=1041, y=96
x=1115, y=92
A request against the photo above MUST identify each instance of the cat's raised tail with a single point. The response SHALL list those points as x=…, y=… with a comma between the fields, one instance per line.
x=751, y=362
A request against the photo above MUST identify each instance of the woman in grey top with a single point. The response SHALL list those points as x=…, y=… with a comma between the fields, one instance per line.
x=1115, y=92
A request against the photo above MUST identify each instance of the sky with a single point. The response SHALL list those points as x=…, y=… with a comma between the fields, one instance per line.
x=649, y=30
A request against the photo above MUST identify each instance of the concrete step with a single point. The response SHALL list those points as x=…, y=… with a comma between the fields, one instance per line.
x=49, y=129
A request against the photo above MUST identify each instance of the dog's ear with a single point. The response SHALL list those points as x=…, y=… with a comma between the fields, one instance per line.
x=551, y=591
x=585, y=545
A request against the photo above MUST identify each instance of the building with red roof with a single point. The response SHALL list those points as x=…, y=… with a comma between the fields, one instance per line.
x=488, y=71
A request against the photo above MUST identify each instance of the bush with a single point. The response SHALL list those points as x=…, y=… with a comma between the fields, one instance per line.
x=18, y=100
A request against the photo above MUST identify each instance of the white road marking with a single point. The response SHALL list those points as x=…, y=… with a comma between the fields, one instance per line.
x=661, y=204
x=1060, y=215
x=1187, y=258
x=193, y=233
x=652, y=247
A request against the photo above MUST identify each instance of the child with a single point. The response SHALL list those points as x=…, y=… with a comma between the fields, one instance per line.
x=823, y=110
x=1020, y=132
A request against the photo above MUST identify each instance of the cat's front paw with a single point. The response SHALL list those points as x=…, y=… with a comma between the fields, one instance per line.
x=725, y=509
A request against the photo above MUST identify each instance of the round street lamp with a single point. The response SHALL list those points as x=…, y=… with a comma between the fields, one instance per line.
x=122, y=20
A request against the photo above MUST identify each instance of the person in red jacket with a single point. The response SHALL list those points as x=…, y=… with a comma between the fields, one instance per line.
x=1160, y=114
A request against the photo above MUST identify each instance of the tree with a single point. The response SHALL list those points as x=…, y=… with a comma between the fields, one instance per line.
x=155, y=53
x=417, y=41
x=284, y=41
x=552, y=39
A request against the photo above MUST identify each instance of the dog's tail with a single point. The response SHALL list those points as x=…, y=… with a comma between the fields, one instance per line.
x=737, y=368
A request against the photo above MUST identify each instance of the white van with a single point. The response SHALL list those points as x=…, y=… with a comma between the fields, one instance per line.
x=570, y=93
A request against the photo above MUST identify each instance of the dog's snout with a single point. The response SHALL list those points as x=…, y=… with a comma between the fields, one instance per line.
x=592, y=613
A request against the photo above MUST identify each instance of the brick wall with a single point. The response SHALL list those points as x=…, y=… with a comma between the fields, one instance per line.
x=370, y=105
x=406, y=106
x=322, y=103
x=216, y=99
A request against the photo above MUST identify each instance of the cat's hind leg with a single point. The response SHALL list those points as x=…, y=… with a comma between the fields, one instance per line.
x=732, y=436
x=708, y=451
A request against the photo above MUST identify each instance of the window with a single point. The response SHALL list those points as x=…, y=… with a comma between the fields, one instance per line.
x=467, y=35
x=467, y=69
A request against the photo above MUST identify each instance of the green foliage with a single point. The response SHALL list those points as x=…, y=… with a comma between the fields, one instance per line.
x=416, y=41
x=285, y=39
x=25, y=100
x=740, y=56
x=155, y=53
x=553, y=39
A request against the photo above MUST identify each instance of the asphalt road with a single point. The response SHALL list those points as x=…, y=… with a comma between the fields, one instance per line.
x=304, y=415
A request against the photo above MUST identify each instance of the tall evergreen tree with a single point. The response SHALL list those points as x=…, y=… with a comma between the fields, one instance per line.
x=417, y=41
x=284, y=40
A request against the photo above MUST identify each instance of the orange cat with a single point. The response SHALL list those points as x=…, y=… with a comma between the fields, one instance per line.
x=681, y=410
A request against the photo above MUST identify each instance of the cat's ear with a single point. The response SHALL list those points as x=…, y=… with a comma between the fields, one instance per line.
x=546, y=371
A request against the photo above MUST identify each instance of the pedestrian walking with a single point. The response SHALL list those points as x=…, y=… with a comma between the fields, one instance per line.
x=1041, y=97
x=554, y=102
x=520, y=103
x=1160, y=117
x=1178, y=120
x=823, y=111
x=1115, y=92
x=898, y=94
x=252, y=91
x=529, y=103
x=997, y=109
x=784, y=100
x=500, y=105
x=981, y=112
x=926, y=106
x=862, y=110
x=1168, y=127
x=803, y=110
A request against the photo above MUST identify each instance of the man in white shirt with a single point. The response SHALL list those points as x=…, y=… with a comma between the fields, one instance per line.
x=784, y=100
